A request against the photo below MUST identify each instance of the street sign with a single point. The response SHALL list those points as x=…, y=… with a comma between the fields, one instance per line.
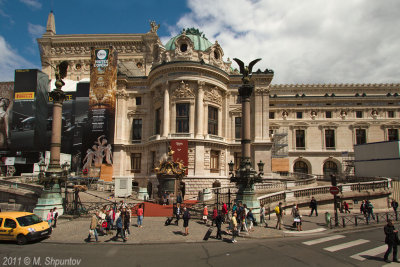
x=334, y=190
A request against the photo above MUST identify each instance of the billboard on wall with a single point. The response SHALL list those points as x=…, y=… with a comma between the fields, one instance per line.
x=180, y=147
x=6, y=103
x=29, y=111
x=103, y=86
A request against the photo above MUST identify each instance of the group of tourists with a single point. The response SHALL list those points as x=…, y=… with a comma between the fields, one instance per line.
x=114, y=217
x=52, y=217
x=367, y=209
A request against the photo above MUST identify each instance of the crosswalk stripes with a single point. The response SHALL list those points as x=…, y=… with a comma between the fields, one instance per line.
x=369, y=253
x=346, y=245
x=322, y=240
x=361, y=256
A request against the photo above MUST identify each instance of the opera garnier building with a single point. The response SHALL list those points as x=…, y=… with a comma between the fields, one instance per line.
x=184, y=94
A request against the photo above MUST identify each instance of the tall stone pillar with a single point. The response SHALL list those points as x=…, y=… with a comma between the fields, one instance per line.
x=166, y=116
x=200, y=110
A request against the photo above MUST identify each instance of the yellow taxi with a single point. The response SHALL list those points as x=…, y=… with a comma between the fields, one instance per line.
x=22, y=227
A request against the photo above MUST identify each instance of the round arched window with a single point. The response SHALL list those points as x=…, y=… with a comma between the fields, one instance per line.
x=216, y=55
x=301, y=167
x=330, y=167
x=183, y=47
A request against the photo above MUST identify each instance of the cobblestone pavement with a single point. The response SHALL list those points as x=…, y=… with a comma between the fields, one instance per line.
x=154, y=231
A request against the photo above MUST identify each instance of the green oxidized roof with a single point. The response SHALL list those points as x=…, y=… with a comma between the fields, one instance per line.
x=200, y=41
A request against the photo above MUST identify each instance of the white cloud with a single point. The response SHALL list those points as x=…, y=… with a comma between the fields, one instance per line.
x=10, y=60
x=32, y=3
x=312, y=41
x=35, y=31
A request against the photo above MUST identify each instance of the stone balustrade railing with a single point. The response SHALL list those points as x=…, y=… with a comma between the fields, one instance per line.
x=293, y=195
x=11, y=184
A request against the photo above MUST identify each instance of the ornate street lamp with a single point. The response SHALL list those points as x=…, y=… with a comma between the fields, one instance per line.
x=245, y=177
x=51, y=196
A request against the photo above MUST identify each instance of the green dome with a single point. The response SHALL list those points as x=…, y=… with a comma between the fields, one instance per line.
x=200, y=42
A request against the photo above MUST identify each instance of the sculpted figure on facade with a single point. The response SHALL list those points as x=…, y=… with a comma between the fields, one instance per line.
x=183, y=91
x=154, y=26
x=343, y=114
x=213, y=95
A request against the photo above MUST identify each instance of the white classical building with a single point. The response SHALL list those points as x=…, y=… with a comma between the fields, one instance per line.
x=184, y=90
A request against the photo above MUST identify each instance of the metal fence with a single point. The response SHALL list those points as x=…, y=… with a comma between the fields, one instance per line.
x=361, y=219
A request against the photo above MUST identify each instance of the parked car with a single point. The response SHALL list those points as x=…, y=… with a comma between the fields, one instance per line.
x=22, y=227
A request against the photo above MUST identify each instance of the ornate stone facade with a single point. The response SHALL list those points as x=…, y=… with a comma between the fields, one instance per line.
x=295, y=127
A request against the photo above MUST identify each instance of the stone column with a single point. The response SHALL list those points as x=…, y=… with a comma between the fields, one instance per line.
x=200, y=110
x=58, y=97
x=166, y=111
x=258, y=116
x=245, y=92
x=220, y=122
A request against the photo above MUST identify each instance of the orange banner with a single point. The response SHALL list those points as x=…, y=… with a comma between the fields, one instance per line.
x=24, y=95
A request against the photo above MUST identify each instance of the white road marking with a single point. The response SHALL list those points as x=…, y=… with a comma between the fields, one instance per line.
x=372, y=252
x=346, y=245
x=317, y=230
x=322, y=240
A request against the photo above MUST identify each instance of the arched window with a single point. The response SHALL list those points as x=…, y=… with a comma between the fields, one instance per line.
x=301, y=167
x=330, y=167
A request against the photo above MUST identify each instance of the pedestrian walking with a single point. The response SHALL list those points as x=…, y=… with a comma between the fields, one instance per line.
x=234, y=227
x=394, y=205
x=250, y=219
x=279, y=214
x=363, y=208
x=313, y=206
x=177, y=213
x=297, y=219
x=50, y=217
x=55, y=217
x=370, y=210
x=243, y=220
x=346, y=207
x=262, y=215
x=120, y=228
x=225, y=213
x=127, y=221
x=391, y=240
x=214, y=216
x=140, y=216
x=186, y=218
x=218, y=223
x=205, y=214
x=93, y=227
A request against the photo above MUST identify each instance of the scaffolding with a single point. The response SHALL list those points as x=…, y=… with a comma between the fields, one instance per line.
x=280, y=143
x=348, y=164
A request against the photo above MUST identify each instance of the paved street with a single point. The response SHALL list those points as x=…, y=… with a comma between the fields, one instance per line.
x=356, y=248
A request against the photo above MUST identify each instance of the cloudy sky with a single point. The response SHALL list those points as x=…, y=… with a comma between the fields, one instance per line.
x=307, y=41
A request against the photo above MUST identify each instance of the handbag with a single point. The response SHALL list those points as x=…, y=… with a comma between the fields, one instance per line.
x=104, y=225
x=205, y=217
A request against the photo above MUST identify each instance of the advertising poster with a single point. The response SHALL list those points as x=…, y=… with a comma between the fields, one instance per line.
x=29, y=111
x=180, y=147
x=102, y=100
x=6, y=103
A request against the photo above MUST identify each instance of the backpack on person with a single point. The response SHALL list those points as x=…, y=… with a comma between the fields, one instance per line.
x=277, y=210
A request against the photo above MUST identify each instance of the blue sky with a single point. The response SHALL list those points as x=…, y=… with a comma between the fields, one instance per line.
x=303, y=41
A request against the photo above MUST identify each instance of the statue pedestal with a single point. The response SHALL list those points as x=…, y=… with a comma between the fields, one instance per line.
x=142, y=194
x=247, y=196
x=49, y=199
x=106, y=173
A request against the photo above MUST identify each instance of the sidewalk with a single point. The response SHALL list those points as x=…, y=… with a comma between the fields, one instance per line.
x=154, y=231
